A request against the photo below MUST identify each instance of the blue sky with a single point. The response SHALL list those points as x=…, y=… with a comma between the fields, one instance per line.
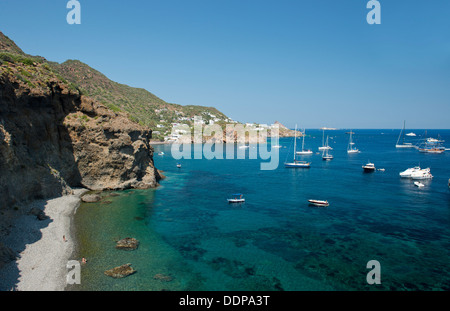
x=314, y=63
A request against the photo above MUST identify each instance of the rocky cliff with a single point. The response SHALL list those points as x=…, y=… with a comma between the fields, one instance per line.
x=53, y=138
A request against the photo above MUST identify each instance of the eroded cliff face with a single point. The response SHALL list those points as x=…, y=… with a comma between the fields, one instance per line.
x=52, y=138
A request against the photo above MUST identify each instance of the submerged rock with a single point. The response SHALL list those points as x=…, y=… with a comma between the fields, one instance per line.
x=127, y=244
x=163, y=277
x=90, y=198
x=121, y=271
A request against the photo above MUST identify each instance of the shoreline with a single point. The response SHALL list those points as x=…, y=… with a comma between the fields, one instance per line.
x=42, y=254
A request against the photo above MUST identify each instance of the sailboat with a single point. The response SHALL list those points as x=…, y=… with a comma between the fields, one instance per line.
x=323, y=142
x=296, y=163
x=402, y=136
x=304, y=152
x=325, y=155
x=350, y=148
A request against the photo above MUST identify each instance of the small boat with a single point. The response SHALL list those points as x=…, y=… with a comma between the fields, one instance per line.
x=236, y=198
x=381, y=169
x=277, y=146
x=419, y=184
x=411, y=134
x=244, y=147
x=178, y=165
x=369, y=167
x=326, y=156
x=318, y=203
x=161, y=153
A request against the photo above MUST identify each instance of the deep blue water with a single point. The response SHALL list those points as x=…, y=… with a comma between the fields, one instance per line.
x=275, y=240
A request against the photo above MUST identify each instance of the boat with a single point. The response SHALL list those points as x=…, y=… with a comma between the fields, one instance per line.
x=419, y=184
x=324, y=147
x=178, y=165
x=326, y=156
x=296, y=163
x=277, y=146
x=431, y=145
x=236, y=198
x=244, y=147
x=304, y=152
x=318, y=203
x=402, y=137
x=369, y=167
x=161, y=153
x=411, y=134
x=432, y=150
x=407, y=173
x=422, y=174
x=381, y=169
x=350, y=148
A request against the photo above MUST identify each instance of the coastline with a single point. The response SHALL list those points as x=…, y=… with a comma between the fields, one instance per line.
x=42, y=254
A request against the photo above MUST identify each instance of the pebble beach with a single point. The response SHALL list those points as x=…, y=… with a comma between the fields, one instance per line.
x=43, y=247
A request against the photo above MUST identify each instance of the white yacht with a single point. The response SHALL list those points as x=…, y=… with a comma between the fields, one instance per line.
x=407, y=173
x=369, y=167
x=422, y=174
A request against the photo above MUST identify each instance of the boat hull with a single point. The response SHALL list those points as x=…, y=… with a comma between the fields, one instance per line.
x=297, y=165
x=236, y=200
x=318, y=203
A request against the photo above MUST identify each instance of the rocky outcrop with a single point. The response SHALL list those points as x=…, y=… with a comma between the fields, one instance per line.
x=127, y=244
x=52, y=138
x=121, y=271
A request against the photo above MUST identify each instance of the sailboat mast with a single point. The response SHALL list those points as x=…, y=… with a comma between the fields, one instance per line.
x=303, y=141
x=295, y=141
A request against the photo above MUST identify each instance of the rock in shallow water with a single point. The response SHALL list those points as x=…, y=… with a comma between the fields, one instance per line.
x=127, y=244
x=121, y=271
x=90, y=198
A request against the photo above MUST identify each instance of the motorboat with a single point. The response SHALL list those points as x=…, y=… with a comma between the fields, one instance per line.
x=178, y=165
x=419, y=184
x=318, y=203
x=369, y=167
x=407, y=173
x=236, y=198
x=422, y=174
x=161, y=153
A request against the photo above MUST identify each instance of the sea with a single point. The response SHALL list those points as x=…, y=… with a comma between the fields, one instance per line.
x=192, y=239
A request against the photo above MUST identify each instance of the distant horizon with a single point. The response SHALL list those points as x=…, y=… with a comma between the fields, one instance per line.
x=258, y=62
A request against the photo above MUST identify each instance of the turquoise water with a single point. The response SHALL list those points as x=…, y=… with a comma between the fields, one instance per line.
x=276, y=241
